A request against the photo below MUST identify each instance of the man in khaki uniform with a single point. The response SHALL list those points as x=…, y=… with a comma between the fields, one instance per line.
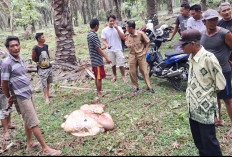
x=136, y=41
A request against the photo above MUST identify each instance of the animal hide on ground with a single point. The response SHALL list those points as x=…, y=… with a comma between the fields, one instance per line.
x=88, y=121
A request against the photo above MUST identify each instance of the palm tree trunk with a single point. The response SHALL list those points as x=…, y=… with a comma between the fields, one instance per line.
x=170, y=10
x=203, y=4
x=151, y=11
x=65, y=49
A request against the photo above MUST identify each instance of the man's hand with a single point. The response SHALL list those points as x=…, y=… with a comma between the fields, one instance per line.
x=108, y=60
x=115, y=26
x=169, y=39
x=129, y=45
x=10, y=101
x=230, y=63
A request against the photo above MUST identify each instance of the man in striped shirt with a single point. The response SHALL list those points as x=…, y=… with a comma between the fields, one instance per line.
x=96, y=55
x=13, y=71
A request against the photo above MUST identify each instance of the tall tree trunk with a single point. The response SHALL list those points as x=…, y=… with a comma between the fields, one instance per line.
x=65, y=49
x=170, y=10
x=118, y=9
x=11, y=16
x=83, y=11
x=184, y=1
x=203, y=5
x=93, y=9
x=231, y=2
x=76, y=24
x=151, y=11
x=87, y=10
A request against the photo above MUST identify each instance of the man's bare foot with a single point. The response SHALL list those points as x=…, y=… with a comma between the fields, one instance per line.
x=7, y=137
x=124, y=80
x=47, y=102
x=114, y=79
x=52, y=96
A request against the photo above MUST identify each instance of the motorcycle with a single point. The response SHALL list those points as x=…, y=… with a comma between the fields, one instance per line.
x=174, y=67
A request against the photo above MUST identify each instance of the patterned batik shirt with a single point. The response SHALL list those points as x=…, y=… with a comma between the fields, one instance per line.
x=205, y=78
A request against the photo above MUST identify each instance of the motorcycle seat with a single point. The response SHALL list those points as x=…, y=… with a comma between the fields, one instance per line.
x=173, y=53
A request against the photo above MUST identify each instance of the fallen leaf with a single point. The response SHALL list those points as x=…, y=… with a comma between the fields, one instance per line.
x=176, y=145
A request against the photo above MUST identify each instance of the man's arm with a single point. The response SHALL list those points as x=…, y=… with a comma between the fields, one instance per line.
x=228, y=41
x=174, y=32
x=5, y=90
x=33, y=56
x=121, y=35
x=103, y=54
x=105, y=43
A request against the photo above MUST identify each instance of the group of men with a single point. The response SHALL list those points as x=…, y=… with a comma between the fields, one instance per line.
x=111, y=36
x=203, y=36
x=209, y=43
x=15, y=88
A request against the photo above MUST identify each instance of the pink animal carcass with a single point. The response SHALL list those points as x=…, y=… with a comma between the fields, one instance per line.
x=88, y=121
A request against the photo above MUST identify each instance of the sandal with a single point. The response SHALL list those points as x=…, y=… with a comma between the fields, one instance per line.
x=7, y=138
x=33, y=147
x=52, y=153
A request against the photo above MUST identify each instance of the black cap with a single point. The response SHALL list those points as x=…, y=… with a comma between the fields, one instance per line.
x=189, y=36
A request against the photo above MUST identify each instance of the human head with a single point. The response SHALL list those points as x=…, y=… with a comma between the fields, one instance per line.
x=195, y=11
x=12, y=43
x=225, y=11
x=130, y=26
x=184, y=9
x=40, y=37
x=210, y=19
x=111, y=19
x=189, y=41
x=94, y=24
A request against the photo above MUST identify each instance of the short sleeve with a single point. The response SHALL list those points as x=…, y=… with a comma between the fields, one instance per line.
x=103, y=34
x=145, y=38
x=96, y=41
x=34, y=48
x=189, y=25
x=216, y=73
x=5, y=71
x=177, y=22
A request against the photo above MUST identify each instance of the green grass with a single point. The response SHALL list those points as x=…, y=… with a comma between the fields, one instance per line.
x=147, y=124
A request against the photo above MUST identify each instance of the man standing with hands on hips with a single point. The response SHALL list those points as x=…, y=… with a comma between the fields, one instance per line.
x=136, y=41
x=111, y=38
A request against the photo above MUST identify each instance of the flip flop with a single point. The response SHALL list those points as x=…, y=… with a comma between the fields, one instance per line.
x=52, y=153
x=52, y=96
x=7, y=138
x=105, y=95
x=113, y=80
x=32, y=148
x=13, y=127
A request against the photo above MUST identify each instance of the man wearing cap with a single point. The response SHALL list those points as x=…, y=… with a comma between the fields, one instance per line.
x=219, y=41
x=204, y=81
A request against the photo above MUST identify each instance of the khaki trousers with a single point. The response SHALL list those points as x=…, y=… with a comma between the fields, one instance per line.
x=134, y=61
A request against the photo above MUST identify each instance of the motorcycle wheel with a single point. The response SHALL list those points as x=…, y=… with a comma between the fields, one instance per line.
x=178, y=83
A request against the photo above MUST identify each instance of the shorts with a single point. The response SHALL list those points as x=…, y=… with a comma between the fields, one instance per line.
x=4, y=110
x=99, y=72
x=27, y=109
x=117, y=58
x=226, y=93
x=45, y=76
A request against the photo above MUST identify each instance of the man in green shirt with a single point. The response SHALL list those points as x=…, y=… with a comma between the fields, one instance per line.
x=204, y=81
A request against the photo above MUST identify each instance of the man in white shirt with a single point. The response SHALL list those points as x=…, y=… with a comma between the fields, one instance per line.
x=111, y=38
x=195, y=22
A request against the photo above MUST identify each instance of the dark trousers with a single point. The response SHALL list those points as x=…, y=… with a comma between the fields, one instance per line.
x=205, y=139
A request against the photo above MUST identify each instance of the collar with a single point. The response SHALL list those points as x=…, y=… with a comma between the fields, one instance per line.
x=11, y=57
x=198, y=55
x=199, y=19
x=136, y=33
